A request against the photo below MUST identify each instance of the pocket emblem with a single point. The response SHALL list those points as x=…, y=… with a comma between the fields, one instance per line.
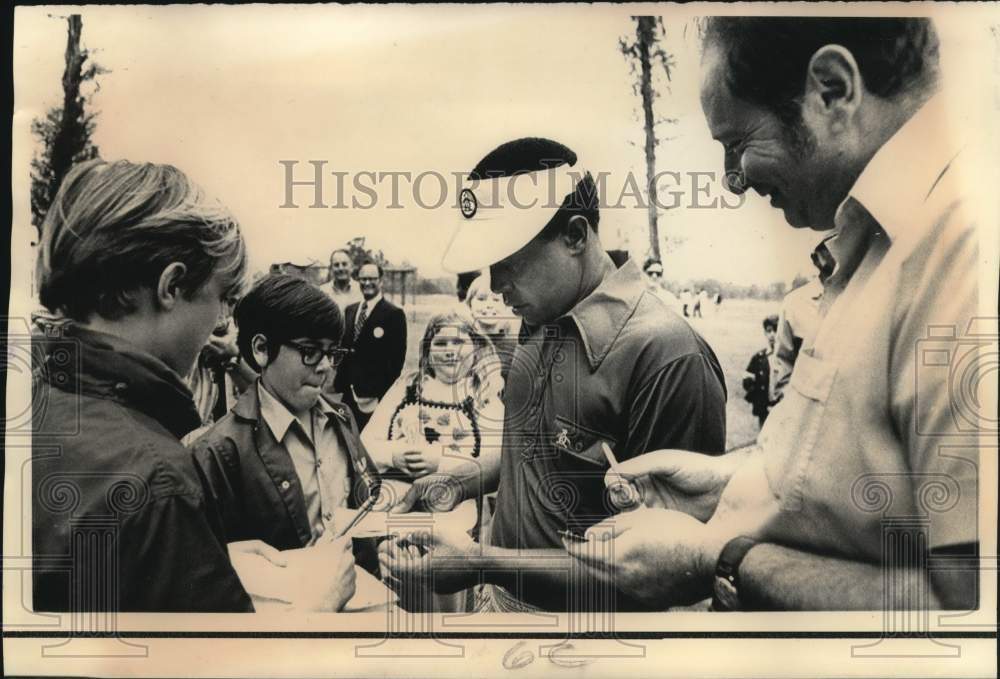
x=562, y=439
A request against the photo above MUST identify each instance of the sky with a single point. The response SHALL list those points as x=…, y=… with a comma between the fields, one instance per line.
x=226, y=93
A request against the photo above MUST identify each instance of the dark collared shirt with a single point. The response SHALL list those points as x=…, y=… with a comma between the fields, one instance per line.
x=620, y=368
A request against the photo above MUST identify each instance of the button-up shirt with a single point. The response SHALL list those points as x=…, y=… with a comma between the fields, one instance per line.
x=798, y=323
x=874, y=424
x=344, y=298
x=620, y=368
x=319, y=462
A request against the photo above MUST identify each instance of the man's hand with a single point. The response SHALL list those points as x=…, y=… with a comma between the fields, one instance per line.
x=659, y=557
x=673, y=479
x=326, y=576
x=220, y=350
x=415, y=561
x=432, y=493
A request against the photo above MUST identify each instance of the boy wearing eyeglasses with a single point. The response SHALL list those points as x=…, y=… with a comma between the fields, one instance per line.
x=286, y=463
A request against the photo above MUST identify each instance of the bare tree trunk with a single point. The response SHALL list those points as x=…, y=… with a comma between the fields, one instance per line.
x=645, y=34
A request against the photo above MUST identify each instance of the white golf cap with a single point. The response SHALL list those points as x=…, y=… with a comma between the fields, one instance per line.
x=499, y=216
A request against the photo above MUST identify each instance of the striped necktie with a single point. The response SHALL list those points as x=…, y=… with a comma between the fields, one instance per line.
x=360, y=321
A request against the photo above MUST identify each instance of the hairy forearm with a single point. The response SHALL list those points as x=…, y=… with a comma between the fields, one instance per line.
x=548, y=571
x=779, y=578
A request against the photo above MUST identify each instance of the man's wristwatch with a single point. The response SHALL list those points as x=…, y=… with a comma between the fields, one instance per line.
x=727, y=582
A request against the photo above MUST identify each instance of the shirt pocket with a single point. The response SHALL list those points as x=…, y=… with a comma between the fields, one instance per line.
x=790, y=435
x=577, y=485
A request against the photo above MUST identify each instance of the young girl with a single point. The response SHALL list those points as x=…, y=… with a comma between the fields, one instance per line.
x=449, y=407
x=494, y=319
x=447, y=411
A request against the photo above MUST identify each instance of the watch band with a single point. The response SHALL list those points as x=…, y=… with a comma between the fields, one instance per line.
x=727, y=584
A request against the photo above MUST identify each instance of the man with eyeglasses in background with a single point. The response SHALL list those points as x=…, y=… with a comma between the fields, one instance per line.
x=375, y=335
x=285, y=464
x=653, y=269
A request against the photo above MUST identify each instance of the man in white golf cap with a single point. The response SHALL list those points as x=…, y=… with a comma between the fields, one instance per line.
x=601, y=362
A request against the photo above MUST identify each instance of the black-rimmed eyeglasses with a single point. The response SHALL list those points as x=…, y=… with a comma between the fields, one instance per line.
x=311, y=355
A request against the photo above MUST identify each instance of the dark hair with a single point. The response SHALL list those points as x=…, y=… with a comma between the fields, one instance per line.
x=767, y=57
x=771, y=322
x=282, y=307
x=462, y=283
x=114, y=227
x=619, y=257
x=534, y=154
x=370, y=262
x=650, y=262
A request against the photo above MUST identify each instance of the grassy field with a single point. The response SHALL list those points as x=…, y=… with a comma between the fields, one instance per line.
x=734, y=332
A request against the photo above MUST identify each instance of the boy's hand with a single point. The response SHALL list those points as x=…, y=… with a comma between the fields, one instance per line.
x=326, y=579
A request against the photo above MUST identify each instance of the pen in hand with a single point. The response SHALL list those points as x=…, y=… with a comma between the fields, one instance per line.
x=624, y=495
x=363, y=511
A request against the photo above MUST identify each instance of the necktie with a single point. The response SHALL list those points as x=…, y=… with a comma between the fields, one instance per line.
x=360, y=322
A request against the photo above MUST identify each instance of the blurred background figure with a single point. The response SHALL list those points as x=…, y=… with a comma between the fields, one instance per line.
x=687, y=302
x=494, y=319
x=342, y=288
x=761, y=375
x=462, y=282
x=653, y=269
x=444, y=419
x=705, y=301
x=218, y=377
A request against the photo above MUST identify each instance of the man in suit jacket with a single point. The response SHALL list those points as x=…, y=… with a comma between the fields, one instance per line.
x=375, y=333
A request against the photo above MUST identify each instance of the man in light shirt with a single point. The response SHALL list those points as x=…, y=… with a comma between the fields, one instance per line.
x=342, y=288
x=837, y=122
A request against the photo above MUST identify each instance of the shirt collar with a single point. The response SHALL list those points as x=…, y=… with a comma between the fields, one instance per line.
x=279, y=419
x=905, y=170
x=602, y=314
x=371, y=302
x=107, y=365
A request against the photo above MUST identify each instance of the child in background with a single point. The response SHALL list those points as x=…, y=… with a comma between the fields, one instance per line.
x=760, y=378
x=494, y=319
x=445, y=406
x=447, y=411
